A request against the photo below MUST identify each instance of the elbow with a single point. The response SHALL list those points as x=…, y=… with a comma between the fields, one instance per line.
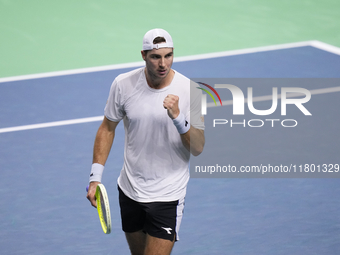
x=197, y=151
x=197, y=144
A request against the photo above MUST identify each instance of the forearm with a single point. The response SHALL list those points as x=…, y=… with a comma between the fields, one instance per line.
x=194, y=140
x=103, y=144
x=101, y=150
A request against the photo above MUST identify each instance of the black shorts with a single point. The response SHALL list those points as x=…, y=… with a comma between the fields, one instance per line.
x=158, y=219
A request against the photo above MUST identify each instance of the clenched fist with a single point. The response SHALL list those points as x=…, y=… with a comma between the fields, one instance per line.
x=171, y=104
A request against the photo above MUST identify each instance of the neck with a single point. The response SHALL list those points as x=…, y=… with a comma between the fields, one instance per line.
x=159, y=83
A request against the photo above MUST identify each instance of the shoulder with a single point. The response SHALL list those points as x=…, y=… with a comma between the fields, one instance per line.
x=187, y=86
x=127, y=84
x=131, y=76
x=181, y=81
x=181, y=77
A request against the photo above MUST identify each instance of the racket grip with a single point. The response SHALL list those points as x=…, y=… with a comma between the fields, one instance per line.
x=87, y=188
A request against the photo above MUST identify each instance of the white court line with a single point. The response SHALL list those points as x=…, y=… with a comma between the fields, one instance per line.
x=316, y=44
x=100, y=118
x=51, y=124
x=325, y=47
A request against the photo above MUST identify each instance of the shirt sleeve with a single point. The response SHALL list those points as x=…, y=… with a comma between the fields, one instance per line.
x=196, y=117
x=114, y=109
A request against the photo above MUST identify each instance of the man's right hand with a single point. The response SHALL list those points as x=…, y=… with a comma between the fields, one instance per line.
x=91, y=194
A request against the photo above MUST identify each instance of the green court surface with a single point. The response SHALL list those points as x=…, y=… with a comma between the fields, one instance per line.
x=43, y=36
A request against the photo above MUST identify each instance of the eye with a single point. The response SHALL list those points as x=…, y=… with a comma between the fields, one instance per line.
x=155, y=56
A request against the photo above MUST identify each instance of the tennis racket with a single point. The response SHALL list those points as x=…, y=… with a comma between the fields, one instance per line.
x=103, y=208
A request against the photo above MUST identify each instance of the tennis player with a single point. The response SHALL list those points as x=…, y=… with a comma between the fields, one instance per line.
x=154, y=104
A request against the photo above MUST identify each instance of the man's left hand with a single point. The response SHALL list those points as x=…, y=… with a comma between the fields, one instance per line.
x=171, y=104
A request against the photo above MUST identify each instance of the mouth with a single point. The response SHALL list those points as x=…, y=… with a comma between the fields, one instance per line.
x=161, y=72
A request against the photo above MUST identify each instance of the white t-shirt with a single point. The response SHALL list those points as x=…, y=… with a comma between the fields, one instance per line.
x=155, y=160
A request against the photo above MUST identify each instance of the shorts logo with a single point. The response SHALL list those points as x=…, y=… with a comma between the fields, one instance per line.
x=168, y=230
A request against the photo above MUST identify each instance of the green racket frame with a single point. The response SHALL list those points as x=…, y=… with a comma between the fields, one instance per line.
x=106, y=223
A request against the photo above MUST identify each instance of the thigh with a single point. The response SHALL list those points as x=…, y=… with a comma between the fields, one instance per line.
x=132, y=214
x=141, y=244
x=155, y=246
x=137, y=242
x=163, y=219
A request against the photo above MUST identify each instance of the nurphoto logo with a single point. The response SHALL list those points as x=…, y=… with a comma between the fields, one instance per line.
x=239, y=100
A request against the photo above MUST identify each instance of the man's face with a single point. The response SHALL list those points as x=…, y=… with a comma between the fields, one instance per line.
x=158, y=62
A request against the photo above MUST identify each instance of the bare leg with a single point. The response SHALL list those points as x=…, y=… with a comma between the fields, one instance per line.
x=144, y=244
x=137, y=242
x=158, y=246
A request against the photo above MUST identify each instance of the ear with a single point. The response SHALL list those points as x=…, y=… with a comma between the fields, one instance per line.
x=143, y=54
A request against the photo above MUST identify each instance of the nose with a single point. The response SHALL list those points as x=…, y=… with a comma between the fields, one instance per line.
x=162, y=62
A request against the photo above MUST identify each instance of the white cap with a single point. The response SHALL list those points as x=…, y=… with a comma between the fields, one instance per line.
x=152, y=34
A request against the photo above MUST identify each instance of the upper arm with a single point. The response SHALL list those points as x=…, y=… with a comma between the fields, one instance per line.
x=109, y=125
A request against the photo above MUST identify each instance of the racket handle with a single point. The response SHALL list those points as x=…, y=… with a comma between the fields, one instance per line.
x=87, y=188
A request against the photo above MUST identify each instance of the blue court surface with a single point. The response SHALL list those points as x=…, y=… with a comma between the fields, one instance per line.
x=44, y=171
